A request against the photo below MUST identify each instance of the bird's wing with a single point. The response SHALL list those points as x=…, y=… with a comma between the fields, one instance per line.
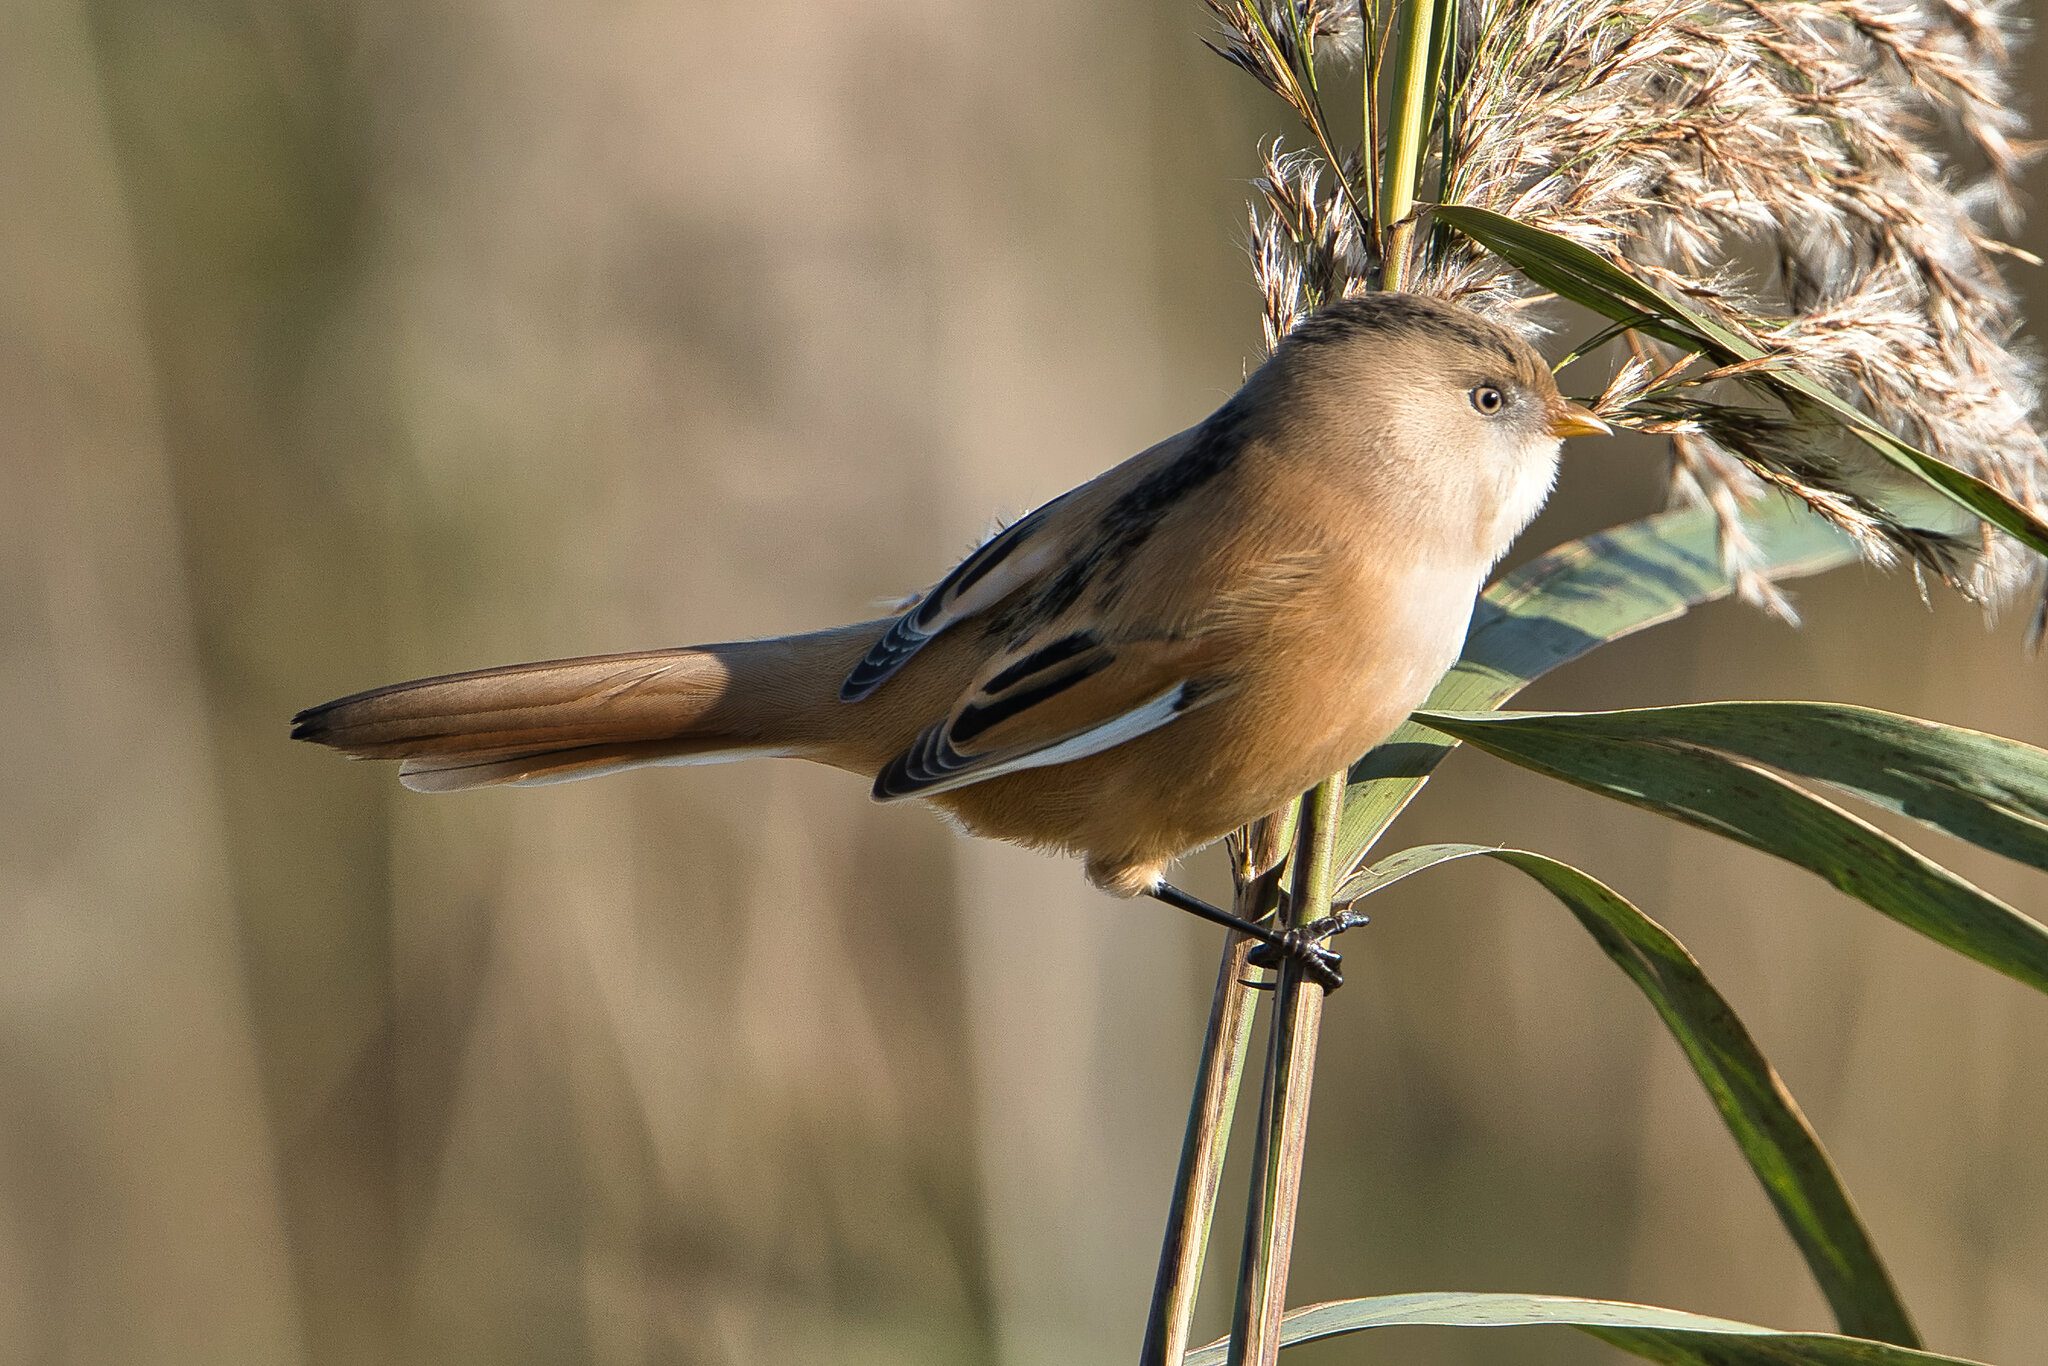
x=1052, y=546
x=999, y=567
x=1059, y=696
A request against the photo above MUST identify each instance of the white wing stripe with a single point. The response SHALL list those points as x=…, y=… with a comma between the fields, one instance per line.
x=1142, y=719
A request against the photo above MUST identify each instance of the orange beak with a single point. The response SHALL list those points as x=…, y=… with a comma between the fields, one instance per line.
x=1572, y=419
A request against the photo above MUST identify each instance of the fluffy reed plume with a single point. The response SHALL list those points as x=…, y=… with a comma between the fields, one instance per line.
x=1825, y=177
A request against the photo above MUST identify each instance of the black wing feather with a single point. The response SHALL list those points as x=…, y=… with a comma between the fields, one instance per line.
x=933, y=757
x=909, y=632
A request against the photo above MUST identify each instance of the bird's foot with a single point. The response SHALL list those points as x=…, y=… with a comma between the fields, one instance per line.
x=1304, y=944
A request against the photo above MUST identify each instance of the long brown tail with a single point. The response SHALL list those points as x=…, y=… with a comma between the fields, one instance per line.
x=576, y=718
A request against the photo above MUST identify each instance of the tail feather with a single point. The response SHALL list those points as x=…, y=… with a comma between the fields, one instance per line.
x=574, y=718
x=455, y=773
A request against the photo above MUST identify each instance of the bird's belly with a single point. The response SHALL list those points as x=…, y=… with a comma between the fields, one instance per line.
x=1295, y=717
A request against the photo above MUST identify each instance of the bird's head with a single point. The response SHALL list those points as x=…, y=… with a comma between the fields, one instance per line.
x=1461, y=411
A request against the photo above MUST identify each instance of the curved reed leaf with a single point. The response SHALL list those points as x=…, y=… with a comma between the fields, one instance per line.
x=1982, y=788
x=1764, y=811
x=1775, y=1139
x=1671, y=1336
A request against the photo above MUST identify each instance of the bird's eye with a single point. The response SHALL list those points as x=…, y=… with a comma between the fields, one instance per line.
x=1488, y=399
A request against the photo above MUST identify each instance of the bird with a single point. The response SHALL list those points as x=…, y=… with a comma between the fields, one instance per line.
x=1147, y=662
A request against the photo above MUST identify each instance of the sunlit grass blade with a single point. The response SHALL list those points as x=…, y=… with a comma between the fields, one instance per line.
x=1591, y=280
x=1781, y=1149
x=1982, y=788
x=1671, y=1336
x=1565, y=604
x=1762, y=810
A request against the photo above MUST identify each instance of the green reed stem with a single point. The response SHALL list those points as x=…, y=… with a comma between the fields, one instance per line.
x=1170, y=1323
x=1410, y=98
x=1284, y=1098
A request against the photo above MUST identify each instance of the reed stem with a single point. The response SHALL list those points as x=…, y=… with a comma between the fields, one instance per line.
x=1409, y=101
x=1284, y=1097
x=1170, y=1323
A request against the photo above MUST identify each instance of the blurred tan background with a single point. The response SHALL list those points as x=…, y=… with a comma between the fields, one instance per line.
x=349, y=340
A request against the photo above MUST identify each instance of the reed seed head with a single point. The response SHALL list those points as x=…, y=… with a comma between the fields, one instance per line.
x=1828, y=178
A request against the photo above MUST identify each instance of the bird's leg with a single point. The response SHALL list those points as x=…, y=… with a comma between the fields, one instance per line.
x=1302, y=943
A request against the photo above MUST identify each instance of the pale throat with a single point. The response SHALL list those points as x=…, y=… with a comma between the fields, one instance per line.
x=1519, y=494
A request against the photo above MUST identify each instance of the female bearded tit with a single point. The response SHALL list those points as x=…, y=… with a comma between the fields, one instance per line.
x=1167, y=652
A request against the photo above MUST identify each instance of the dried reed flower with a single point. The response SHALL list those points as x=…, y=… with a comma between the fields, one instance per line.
x=1308, y=245
x=1825, y=177
x=1276, y=39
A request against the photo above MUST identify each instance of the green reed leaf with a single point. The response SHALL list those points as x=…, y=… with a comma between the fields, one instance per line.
x=1757, y=808
x=1669, y=1336
x=1760, y=1113
x=1982, y=788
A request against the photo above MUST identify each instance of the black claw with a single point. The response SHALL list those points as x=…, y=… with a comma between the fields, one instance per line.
x=1300, y=945
x=1336, y=923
